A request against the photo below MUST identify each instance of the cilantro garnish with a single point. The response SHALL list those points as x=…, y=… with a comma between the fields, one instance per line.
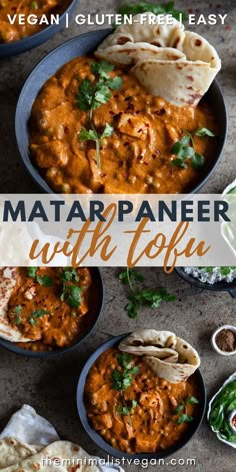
x=37, y=314
x=45, y=280
x=146, y=296
x=185, y=152
x=121, y=380
x=184, y=419
x=92, y=94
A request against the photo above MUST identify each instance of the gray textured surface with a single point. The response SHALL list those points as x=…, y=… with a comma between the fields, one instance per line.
x=50, y=386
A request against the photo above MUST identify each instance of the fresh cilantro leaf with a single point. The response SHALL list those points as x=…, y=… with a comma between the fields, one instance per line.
x=126, y=410
x=31, y=271
x=184, y=152
x=178, y=409
x=115, y=84
x=73, y=296
x=87, y=135
x=70, y=274
x=92, y=94
x=128, y=275
x=204, y=132
x=124, y=360
x=37, y=314
x=17, y=309
x=198, y=161
x=147, y=296
x=108, y=131
x=17, y=320
x=192, y=401
x=102, y=68
x=184, y=419
x=45, y=280
x=101, y=96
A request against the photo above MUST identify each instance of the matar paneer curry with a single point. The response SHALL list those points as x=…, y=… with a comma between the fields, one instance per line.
x=137, y=412
x=51, y=306
x=25, y=24
x=136, y=155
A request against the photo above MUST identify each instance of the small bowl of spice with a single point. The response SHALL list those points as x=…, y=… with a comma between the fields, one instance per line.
x=224, y=340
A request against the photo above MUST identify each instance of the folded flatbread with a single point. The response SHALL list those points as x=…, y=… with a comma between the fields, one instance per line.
x=60, y=456
x=13, y=451
x=168, y=61
x=169, y=356
x=8, y=280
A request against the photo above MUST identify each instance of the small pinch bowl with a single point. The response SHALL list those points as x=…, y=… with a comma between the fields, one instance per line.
x=101, y=443
x=17, y=47
x=94, y=313
x=84, y=45
x=217, y=287
x=214, y=344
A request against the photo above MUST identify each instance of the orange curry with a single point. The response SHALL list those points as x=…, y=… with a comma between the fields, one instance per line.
x=161, y=414
x=13, y=32
x=136, y=158
x=50, y=306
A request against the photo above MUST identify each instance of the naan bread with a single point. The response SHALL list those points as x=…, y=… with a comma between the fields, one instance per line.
x=65, y=454
x=169, y=356
x=12, y=451
x=8, y=278
x=168, y=61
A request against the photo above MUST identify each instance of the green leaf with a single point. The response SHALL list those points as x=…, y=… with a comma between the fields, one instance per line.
x=185, y=139
x=198, y=161
x=192, y=401
x=179, y=163
x=101, y=96
x=17, y=320
x=70, y=274
x=37, y=314
x=17, y=309
x=176, y=148
x=124, y=360
x=186, y=152
x=87, y=135
x=204, y=132
x=184, y=419
x=178, y=409
x=115, y=84
x=102, y=68
x=73, y=296
x=31, y=271
x=108, y=131
x=45, y=280
x=132, y=309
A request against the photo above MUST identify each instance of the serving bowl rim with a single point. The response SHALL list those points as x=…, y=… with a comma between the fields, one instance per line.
x=34, y=172
x=25, y=43
x=10, y=346
x=97, y=438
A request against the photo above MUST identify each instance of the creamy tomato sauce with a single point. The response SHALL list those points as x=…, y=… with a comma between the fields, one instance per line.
x=153, y=423
x=135, y=159
x=50, y=307
x=13, y=32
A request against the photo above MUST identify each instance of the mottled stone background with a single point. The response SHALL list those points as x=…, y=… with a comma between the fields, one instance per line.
x=50, y=386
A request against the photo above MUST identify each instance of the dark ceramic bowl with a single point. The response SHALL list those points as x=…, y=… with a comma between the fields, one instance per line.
x=86, y=44
x=98, y=299
x=217, y=287
x=17, y=47
x=101, y=443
